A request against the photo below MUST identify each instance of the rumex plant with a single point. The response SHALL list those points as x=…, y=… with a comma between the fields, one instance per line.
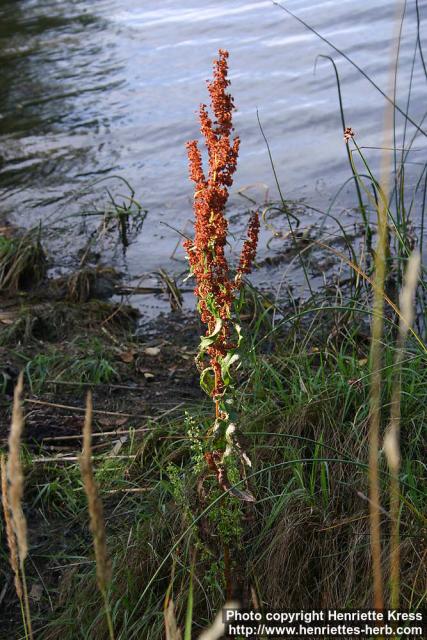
x=216, y=287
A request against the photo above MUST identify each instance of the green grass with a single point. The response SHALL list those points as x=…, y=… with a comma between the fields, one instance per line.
x=303, y=408
x=302, y=401
x=23, y=262
x=83, y=362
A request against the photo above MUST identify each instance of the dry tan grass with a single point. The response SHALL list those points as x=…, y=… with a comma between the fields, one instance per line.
x=15, y=494
x=10, y=534
x=96, y=513
x=313, y=563
x=14, y=469
x=172, y=631
x=316, y=557
x=217, y=630
x=381, y=253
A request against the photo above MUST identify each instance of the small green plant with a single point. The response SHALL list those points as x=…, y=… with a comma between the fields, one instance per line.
x=39, y=368
x=89, y=363
x=121, y=218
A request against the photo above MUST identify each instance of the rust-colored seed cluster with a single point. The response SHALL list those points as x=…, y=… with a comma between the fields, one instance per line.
x=249, y=248
x=215, y=288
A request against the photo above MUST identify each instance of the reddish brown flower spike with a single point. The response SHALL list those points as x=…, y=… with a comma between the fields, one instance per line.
x=215, y=288
x=248, y=254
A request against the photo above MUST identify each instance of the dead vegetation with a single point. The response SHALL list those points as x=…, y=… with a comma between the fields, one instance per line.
x=23, y=262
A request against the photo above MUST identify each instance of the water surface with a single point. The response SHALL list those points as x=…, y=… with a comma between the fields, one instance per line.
x=91, y=90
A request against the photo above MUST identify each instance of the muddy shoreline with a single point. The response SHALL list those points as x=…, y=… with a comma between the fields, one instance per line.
x=81, y=327
x=78, y=328
x=69, y=334
x=153, y=370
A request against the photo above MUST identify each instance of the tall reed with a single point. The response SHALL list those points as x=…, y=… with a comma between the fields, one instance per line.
x=96, y=514
x=381, y=260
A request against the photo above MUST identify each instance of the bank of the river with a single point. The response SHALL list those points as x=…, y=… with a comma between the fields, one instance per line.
x=303, y=407
x=98, y=90
x=66, y=347
x=68, y=336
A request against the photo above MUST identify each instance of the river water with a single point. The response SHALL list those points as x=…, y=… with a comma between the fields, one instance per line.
x=93, y=90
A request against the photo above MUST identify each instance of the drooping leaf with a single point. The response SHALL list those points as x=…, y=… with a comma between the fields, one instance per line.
x=207, y=341
x=207, y=380
x=239, y=334
x=244, y=495
x=234, y=446
x=226, y=363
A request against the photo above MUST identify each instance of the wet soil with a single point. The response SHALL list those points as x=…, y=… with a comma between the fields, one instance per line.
x=155, y=374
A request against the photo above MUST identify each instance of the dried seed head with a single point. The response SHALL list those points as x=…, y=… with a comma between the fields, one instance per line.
x=14, y=472
x=217, y=630
x=407, y=295
x=249, y=248
x=10, y=534
x=348, y=134
x=96, y=512
x=391, y=449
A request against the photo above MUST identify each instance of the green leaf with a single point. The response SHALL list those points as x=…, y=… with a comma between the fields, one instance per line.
x=324, y=483
x=226, y=363
x=207, y=380
x=206, y=341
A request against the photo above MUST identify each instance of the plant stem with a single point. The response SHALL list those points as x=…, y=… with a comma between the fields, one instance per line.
x=26, y=603
x=108, y=615
x=227, y=573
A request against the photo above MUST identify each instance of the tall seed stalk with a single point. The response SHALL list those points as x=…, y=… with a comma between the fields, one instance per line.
x=216, y=289
x=375, y=415
x=96, y=514
x=381, y=255
x=11, y=538
x=17, y=535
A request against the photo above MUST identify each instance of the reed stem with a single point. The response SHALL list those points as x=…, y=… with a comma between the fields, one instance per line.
x=381, y=255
